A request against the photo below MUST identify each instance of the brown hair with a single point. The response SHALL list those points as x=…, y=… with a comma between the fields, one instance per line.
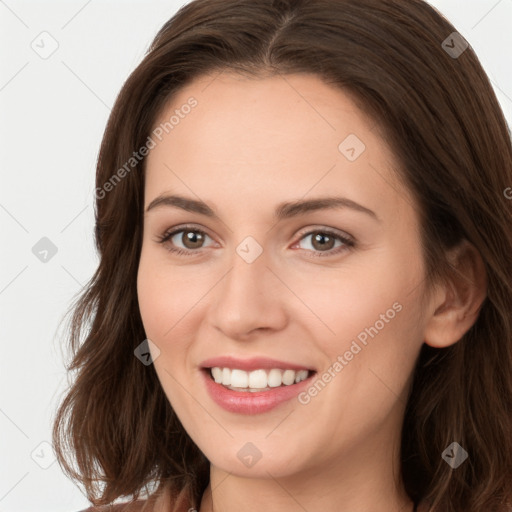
x=441, y=118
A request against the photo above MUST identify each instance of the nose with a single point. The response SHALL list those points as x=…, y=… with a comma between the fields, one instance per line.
x=250, y=297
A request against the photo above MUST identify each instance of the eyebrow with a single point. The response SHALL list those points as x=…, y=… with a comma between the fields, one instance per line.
x=283, y=211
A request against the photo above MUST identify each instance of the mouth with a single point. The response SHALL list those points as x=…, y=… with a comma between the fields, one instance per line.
x=257, y=391
x=258, y=380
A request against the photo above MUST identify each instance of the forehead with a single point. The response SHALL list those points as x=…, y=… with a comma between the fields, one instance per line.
x=265, y=137
x=283, y=108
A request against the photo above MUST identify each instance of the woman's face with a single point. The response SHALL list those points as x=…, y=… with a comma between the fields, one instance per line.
x=337, y=290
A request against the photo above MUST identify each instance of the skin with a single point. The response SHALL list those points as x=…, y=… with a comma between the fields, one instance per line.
x=247, y=146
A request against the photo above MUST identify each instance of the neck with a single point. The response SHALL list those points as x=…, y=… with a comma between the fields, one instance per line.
x=358, y=488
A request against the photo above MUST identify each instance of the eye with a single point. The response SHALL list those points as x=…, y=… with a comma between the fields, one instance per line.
x=191, y=237
x=323, y=242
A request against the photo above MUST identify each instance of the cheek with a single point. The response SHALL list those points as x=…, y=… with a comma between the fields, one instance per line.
x=164, y=295
x=156, y=301
x=355, y=295
x=163, y=305
x=373, y=309
x=171, y=304
x=152, y=299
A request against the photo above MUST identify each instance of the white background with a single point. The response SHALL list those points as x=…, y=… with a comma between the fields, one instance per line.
x=52, y=115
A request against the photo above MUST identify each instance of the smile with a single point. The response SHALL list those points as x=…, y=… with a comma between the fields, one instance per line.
x=257, y=380
x=254, y=400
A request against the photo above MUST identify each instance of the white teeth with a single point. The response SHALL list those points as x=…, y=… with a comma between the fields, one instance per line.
x=217, y=374
x=275, y=378
x=288, y=377
x=257, y=379
x=239, y=379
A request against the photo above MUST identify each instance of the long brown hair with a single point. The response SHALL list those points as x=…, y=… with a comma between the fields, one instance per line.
x=439, y=114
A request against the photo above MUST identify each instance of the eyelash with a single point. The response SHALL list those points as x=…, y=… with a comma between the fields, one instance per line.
x=348, y=243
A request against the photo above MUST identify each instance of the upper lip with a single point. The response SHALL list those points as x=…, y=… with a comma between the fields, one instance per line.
x=254, y=363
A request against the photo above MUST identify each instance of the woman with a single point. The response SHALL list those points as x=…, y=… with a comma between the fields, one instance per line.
x=304, y=294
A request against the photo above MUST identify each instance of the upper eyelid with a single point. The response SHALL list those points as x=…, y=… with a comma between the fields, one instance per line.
x=179, y=229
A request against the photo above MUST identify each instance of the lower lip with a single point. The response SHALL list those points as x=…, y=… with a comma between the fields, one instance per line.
x=247, y=402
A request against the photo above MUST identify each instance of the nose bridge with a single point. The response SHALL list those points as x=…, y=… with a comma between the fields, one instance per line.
x=248, y=276
x=246, y=298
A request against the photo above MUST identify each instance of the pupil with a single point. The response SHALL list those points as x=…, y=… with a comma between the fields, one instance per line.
x=319, y=237
x=194, y=238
